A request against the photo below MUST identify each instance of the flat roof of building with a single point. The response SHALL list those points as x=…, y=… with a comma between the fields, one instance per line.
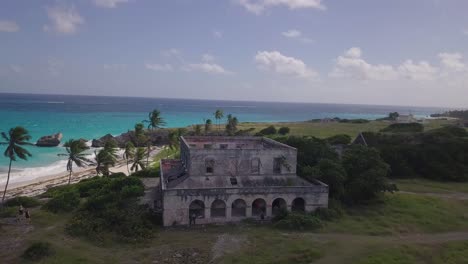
x=224, y=142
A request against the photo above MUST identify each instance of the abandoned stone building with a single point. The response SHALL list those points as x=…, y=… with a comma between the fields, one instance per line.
x=227, y=179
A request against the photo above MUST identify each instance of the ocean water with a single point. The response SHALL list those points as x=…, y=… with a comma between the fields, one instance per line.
x=94, y=116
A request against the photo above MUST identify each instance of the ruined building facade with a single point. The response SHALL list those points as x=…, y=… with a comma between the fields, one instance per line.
x=227, y=179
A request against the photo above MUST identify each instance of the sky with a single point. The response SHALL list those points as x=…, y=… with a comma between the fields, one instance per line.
x=396, y=52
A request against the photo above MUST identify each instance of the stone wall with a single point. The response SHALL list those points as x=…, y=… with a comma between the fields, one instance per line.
x=176, y=203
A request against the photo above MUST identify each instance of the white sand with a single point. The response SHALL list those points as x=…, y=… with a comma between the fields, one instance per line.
x=41, y=184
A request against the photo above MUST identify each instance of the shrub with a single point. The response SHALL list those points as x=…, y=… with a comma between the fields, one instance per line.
x=147, y=173
x=271, y=130
x=341, y=139
x=37, y=251
x=57, y=190
x=6, y=212
x=404, y=128
x=299, y=221
x=65, y=201
x=27, y=202
x=334, y=211
x=284, y=130
x=89, y=186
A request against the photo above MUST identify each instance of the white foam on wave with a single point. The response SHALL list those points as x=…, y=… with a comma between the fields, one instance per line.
x=58, y=168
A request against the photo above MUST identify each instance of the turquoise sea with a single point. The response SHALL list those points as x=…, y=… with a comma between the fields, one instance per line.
x=94, y=116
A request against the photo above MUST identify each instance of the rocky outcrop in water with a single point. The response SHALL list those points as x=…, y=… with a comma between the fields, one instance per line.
x=50, y=141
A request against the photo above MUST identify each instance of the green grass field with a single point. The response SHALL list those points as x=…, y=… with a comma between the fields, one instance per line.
x=428, y=186
x=324, y=130
x=370, y=235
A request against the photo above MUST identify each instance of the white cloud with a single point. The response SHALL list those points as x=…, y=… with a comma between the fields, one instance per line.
x=296, y=34
x=465, y=32
x=64, y=20
x=452, y=61
x=159, y=67
x=279, y=63
x=109, y=3
x=351, y=65
x=258, y=6
x=206, y=67
x=208, y=57
x=8, y=26
x=421, y=71
x=292, y=33
x=217, y=34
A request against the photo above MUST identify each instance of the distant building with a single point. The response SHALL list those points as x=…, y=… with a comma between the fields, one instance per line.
x=406, y=119
x=227, y=179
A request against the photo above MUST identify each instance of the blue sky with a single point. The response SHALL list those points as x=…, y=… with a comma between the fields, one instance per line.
x=395, y=52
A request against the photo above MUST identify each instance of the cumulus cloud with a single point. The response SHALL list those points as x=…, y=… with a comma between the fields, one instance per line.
x=208, y=57
x=421, y=71
x=351, y=65
x=276, y=62
x=159, y=67
x=64, y=20
x=8, y=26
x=452, y=61
x=258, y=6
x=109, y=3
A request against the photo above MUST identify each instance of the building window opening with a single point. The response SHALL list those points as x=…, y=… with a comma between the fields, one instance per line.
x=218, y=209
x=255, y=166
x=238, y=208
x=277, y=165
x=209, y=166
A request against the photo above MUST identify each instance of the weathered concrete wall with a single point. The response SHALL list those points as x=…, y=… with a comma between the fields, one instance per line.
x=237, y=162
x=177, y=202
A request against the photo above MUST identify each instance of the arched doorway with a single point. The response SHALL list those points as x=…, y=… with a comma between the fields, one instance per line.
x=238, y=208
x=197, y=208
x=278, y=205
x=218, y=208
x=258, y=207
x=298, y=205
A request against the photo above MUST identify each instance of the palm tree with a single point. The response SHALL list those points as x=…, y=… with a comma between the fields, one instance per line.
x=218, y=116
x=231, y=126
x=106, y=158
x=140, y=137
x=154, y=120
x=208, y=124
x=197, y=129
x=75, y=149
x=15, y=138
x=138, y=159
x=129, y=152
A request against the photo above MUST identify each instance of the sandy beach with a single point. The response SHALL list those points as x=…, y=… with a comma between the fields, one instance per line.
x=40, y=184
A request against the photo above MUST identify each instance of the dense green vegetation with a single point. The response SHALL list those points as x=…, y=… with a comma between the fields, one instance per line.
x=462, y=114
x=404, y=128
x=438, y=154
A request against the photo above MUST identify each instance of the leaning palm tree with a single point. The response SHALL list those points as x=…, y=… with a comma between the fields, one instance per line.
x=138, y=159
x=218, y=116
x=106, y=158
x=15, y=138
x=154, y=120
x=75, y=153
x=129, y=152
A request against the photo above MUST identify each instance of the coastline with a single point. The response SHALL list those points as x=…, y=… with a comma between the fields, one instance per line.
x=39, y=185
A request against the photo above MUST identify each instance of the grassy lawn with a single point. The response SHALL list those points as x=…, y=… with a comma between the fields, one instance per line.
x=404, y=213
x=428, y=186
x=324, y=130
x=443, y=253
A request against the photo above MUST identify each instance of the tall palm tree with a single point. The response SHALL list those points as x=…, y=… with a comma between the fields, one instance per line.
x=140, y=137
x=208, y=124
x=231, y=126
x=75, y=153
x=155, y=120
x=138, y=159
x=197, y=129
x=129, y=152
x=15, y=138
x=218, y=116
